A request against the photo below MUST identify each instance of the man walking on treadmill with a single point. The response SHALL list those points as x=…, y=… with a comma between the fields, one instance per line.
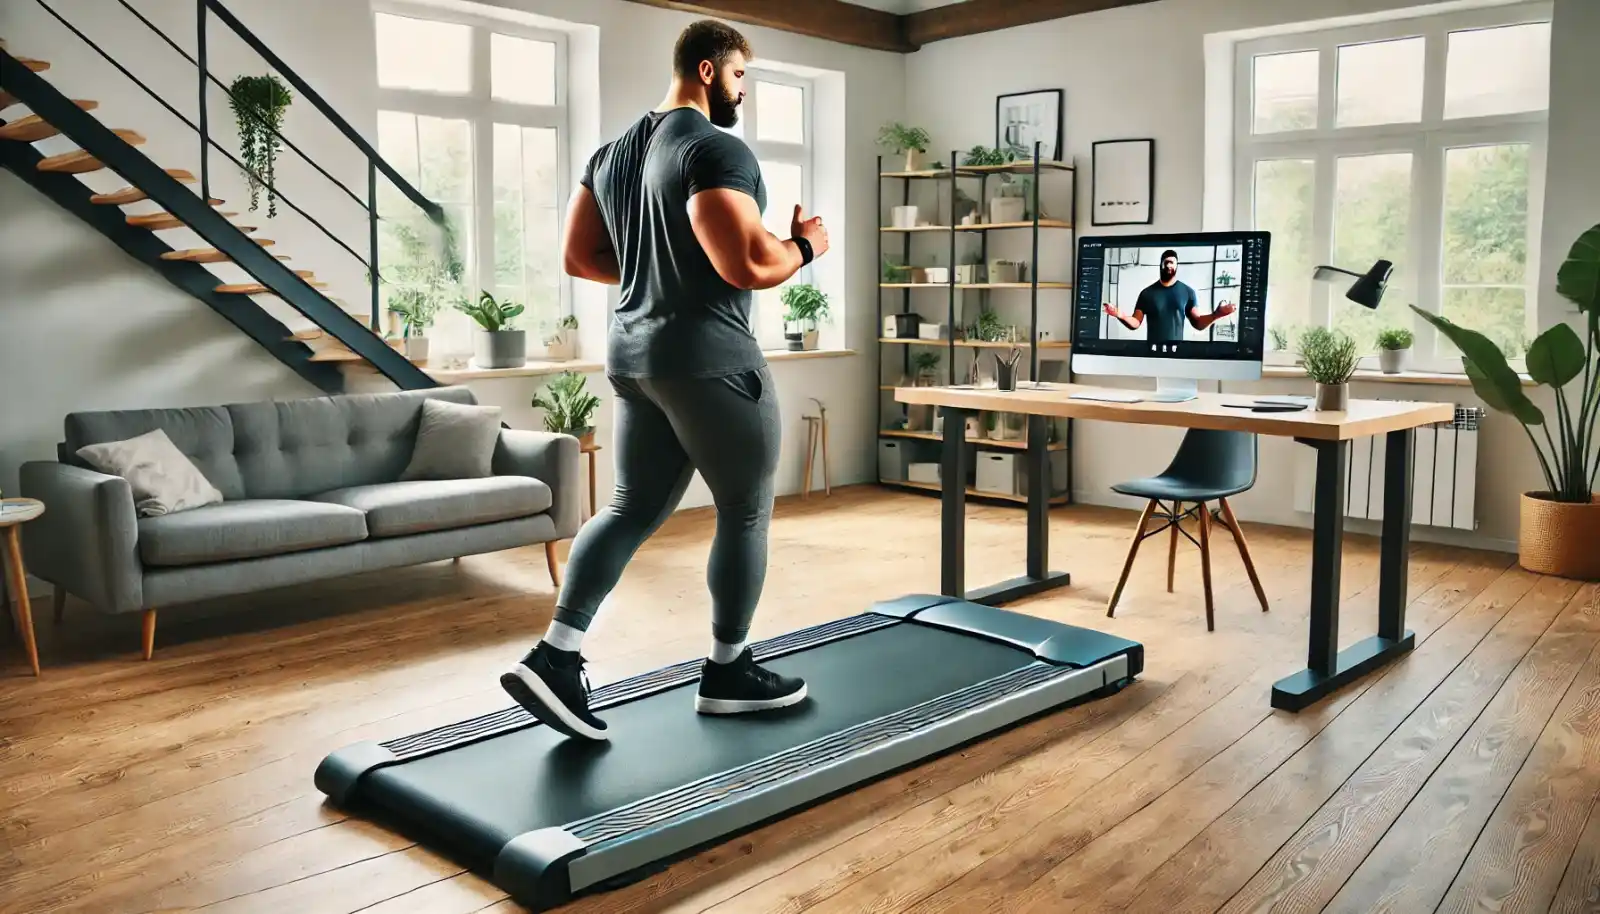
x=670, y=211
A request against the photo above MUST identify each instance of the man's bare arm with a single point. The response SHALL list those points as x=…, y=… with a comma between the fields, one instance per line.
x=1132, y=323
x=586, y=250
x=1202, y=321
x=728, y=225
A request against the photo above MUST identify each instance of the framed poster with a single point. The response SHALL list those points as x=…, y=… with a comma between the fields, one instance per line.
x=1023, y=118
x=1124, y=182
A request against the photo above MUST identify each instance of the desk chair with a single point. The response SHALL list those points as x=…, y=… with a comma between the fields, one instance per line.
x=1209, y=466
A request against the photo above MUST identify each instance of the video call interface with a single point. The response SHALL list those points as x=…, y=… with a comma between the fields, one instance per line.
x=1178, y=299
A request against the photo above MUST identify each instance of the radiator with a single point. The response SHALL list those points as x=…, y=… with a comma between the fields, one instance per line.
x=1443, y=477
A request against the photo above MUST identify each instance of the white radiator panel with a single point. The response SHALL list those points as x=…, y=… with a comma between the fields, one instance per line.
x=1443, y=478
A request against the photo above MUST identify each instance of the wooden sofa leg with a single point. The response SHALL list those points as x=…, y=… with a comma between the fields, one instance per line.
x=148, y=633
x=550, y=559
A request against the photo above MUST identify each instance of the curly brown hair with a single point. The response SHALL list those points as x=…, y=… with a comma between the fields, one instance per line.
x=710, y=40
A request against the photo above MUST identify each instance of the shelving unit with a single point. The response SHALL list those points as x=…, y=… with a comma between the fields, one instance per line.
x=947, y=179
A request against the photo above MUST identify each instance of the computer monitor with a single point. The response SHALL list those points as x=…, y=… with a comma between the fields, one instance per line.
x=1177, y=308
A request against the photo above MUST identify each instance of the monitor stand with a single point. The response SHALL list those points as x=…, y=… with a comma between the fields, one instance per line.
x=1175, y=390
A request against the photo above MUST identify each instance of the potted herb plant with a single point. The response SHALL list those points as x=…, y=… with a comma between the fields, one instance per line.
x=258, y=104
x=1330, y=357
x=497, y=344
x=913, y=141
x=804, y=306
x=568, y=407
x=416, y=310
x=1394, y=349
x=1560, y=526
x=923, y=366
x=562, y=345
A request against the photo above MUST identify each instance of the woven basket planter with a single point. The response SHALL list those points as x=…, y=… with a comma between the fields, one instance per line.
x=1560, y=538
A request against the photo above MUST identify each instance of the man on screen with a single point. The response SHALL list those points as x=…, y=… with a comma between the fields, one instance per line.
x=1167, y=302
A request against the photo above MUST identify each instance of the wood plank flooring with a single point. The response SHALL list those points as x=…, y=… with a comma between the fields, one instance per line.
x=1464, y=777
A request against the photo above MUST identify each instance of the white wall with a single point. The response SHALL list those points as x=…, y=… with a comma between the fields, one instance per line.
x=1141, y=72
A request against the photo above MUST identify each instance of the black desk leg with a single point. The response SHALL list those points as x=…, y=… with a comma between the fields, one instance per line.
x=1039, y=577
x=953, y=512
x=1327, y=667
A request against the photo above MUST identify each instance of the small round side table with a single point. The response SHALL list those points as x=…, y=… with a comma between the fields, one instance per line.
x=14, y=512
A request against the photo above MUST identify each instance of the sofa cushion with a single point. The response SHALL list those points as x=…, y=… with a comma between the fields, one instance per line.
x=454, y=441
x=293, y=448
x=247, y=529
x=420, y=506
x=204, y=434
x=163, y=480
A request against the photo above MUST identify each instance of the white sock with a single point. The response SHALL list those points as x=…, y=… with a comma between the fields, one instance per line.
x=725, y=653
x=563, y=637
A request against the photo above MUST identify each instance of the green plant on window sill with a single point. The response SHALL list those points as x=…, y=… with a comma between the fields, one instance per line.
x=492, y=315
x=1392, y=339
x=1330, y=356
x=804, y=306
x=568, y=406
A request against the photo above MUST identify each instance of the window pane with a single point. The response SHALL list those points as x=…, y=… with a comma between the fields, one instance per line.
x=521, y=70
x=445, y=150
x=397, y=142
x=1498, y=71
x=421, y=54
x=1380, y=82
x=508, y=206
x=1372, y=220
x=1285, y=91
x=784, y=189
x=1283, y=199
x=541, y=222
x=1486, y=242
x=1497, y=312
x=780, y=113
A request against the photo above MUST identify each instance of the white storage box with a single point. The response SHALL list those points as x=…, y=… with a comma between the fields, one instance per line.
x=891, y=459
x=997, y=473
x=923, y=472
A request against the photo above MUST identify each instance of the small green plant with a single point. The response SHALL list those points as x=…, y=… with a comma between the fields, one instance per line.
x=804, y=303
x=490, y=314
x=1395, y=338
x=894, y=272
x=417, y=311
x=1330, y=356
x=923, y=364
x=1224, y=278
x=1279, y=337
x=258, y=103
x=897, y=137
x=568, y=406
x=984, y=155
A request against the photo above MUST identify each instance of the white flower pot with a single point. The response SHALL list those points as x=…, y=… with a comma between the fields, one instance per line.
x=416, y=348
x=905, y=217
x=1393, y=361
x=1007, y=209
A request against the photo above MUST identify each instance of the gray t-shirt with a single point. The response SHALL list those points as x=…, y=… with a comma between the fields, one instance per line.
x=1166, y=308
x=677, y=316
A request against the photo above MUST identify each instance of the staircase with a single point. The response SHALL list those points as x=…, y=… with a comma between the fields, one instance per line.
x=286, y=311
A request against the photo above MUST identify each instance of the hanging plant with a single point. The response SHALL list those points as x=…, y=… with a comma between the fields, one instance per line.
x=258, y=104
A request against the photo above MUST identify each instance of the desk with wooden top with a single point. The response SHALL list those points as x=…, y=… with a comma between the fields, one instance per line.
x=1329, y=433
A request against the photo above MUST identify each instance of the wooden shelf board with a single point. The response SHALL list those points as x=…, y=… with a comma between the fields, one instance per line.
x=1020, y=445
x=1020, y=167
x=988, y=226
x=971, y=492
x=973, y=344
x=1012, y=285
x=913, y=285
x=915, y=228
x=925, y=173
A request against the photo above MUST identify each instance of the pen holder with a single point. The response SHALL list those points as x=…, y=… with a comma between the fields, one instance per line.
x=1006, y=370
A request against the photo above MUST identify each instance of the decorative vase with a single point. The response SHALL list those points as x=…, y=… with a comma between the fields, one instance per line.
x=1333, y=397
x=1393, y=361
x=500, y=348
x=416, y=348
x=913, y=160
x=904, y=217
x=1559, y=537
x=584, y=435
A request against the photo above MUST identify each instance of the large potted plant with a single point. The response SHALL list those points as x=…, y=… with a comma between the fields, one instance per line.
x=1330, y=357
x=568, y=407
x=497, y=344
x=1560, y=525
x=804, y=306
x=913, y=141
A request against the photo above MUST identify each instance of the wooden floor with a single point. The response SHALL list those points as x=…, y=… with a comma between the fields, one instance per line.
x=1461, y=778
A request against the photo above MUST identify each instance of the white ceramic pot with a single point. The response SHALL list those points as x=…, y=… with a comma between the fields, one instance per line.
x=905, y=217
x=1007, y=209
x=416, y=348
x=1393, y=361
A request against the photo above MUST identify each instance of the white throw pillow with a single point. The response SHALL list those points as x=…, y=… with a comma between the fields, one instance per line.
x=164, y=481
x=454, y=441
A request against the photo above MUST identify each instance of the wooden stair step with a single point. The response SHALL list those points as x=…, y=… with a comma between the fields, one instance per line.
x=344, y=355
x=255, y=288
x=158, y=222
x=33, y=128
x=79, y=161
x=132, y=195
x=37, y=66
x=209, y=255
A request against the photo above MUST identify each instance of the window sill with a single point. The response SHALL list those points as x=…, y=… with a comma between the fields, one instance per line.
x=1367, y=376
x=789, y=355
x=533, y=368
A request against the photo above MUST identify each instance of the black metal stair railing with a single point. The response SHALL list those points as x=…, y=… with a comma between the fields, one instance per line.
x=196, y=212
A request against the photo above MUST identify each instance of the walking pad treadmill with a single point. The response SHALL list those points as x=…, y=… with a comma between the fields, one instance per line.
x=547, y=817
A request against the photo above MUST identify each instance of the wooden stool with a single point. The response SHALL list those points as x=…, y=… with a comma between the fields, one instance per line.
x=14, y=512
x=817, y=430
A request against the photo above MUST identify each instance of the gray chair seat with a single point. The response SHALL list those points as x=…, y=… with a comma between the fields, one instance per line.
x=420, y=506
x=246, y=529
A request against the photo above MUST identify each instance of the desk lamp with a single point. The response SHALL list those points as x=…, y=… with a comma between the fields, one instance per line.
x=1368, y=288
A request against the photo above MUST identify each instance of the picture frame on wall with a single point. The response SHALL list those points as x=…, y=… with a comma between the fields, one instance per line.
x=1023, y=118
x=1123, y=182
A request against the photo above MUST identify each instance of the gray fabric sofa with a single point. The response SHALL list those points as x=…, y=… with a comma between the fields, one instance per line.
x=311, y=491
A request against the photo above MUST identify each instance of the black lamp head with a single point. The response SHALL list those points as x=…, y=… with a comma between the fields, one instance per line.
x=1368, y=288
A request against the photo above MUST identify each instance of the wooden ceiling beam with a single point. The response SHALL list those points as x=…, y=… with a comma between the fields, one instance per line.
x=972, y=17
x=832, y=20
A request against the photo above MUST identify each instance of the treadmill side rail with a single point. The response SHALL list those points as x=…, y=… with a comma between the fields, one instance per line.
x=909, y=605
x=338, y=773
x=532, y=867
x=1048, y=640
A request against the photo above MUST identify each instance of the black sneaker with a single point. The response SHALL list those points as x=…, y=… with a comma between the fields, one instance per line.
x=741, y=686
x=550, y=683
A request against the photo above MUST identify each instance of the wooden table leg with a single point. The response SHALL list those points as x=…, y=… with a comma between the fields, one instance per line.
x=827, y=480
x=19, y=583
x=591, y=483
x=811, y=450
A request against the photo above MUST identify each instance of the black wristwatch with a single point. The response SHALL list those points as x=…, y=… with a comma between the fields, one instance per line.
x=805, y=249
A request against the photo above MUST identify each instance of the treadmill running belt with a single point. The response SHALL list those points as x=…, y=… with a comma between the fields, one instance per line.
x=549, y=815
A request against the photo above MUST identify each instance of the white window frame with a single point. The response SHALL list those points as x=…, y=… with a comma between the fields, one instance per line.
x=801, y=154
x=1426, y=140
x=483, y=111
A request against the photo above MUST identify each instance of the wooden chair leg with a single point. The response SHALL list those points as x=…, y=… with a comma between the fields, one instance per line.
x=1133, y=550
x=1172, y=547
x=60, y=603
x=147, y=633
x=827, y=477
x=550, y=559
x=1244, y=552
x=1205, y=563
x=811, y=450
